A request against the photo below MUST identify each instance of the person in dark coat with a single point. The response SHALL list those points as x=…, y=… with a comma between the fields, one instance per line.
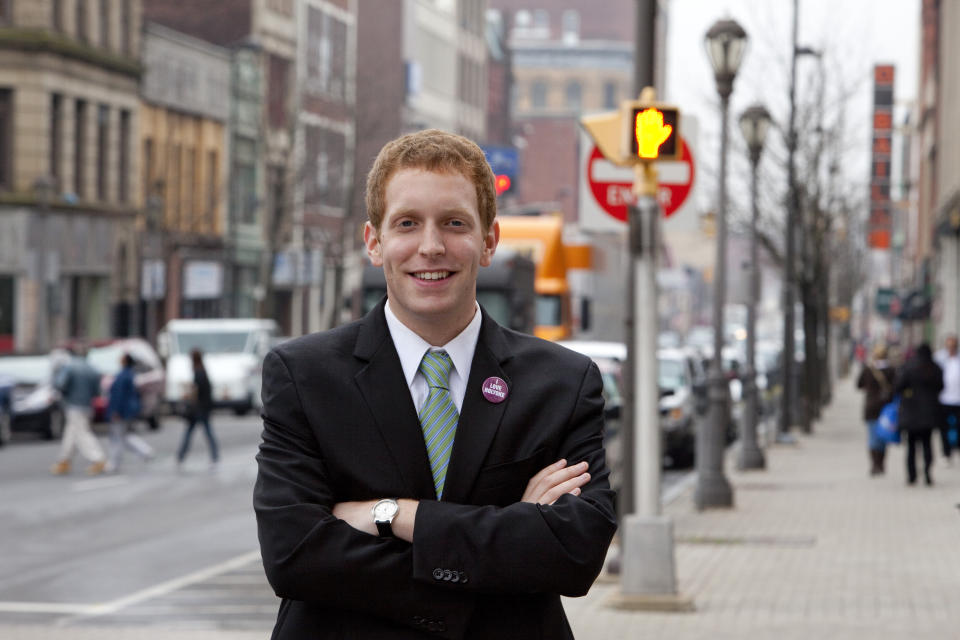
x=876, y=380
x=198, y=411
x=919, y=386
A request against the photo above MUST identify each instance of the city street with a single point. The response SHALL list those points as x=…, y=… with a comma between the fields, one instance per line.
x=145, y=550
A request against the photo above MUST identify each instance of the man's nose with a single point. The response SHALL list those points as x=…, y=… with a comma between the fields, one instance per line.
x=431, y=242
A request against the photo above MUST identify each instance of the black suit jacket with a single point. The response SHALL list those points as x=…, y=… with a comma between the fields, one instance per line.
x=340, y=425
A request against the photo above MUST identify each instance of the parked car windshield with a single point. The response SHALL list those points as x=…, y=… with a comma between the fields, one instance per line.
x=26, y=369
x=212, y=342
x=670, y=374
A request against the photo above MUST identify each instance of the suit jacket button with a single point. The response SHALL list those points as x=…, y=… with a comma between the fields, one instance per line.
x=463, y=577
x=447, y=575
x=432, y=626
x=418, y=620
x=438, y=574
x=441, y=626
x=455, y=576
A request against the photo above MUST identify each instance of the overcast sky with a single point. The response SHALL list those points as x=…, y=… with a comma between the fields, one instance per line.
x=854, y=34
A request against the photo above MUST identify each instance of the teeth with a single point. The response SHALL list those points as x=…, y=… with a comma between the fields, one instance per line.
x=432, y=275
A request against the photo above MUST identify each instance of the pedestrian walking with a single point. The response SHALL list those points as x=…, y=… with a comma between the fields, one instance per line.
x=123, y=409
x=424, y=470
x=876, y=380
x=919, y=385
x=199, y=406
x=949, y=360
x=78, y=383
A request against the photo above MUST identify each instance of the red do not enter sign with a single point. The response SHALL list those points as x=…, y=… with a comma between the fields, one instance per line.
x=612, y=186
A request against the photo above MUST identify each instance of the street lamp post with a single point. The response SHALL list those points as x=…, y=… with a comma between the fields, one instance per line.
x=725, y=42
x=754, y=123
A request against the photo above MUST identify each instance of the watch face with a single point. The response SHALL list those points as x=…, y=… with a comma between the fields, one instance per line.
x=384, y=510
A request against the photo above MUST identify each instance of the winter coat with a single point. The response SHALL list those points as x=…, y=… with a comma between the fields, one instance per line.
x=877, y=394
x=202, y=405
x=78, y=383
x=919, y=385
x=124, y=402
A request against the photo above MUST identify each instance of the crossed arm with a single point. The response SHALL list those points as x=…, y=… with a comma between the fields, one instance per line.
x=545, y=487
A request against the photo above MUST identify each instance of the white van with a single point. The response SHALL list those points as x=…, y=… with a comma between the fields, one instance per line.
x=233, y=351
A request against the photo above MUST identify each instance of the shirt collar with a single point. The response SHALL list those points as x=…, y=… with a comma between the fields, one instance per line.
x=411, y=347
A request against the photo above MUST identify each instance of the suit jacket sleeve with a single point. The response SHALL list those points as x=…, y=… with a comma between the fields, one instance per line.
x=310, y=555
x=528, y=548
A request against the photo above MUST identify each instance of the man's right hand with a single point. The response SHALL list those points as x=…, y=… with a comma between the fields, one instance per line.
x=556, y=480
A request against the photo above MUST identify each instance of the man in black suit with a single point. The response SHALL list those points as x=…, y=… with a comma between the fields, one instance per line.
x=423, y=470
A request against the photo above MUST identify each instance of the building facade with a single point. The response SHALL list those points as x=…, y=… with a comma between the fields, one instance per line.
x=184, y=187
x=568, y=58
x=69, y=112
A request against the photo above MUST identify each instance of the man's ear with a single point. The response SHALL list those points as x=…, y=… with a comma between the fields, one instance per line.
x=490, y=242
x=372, y=240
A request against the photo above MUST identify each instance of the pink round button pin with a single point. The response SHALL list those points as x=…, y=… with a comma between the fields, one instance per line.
x=495, y=390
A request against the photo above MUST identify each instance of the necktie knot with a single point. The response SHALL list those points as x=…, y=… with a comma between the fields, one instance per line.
x=435, y=367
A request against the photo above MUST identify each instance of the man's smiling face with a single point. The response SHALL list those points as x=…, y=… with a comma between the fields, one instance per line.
x=431, y=244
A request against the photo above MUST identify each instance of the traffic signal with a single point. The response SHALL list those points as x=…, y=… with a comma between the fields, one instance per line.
x=651, y=132
x=503, y=183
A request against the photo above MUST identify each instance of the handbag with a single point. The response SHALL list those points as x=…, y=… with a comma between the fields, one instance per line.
x=887, y=429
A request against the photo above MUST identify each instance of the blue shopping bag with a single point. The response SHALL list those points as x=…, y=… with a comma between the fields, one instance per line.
x=887, y=429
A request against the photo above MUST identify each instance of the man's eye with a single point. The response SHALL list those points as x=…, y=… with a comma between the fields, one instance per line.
x=457, y=223
x=405, y=223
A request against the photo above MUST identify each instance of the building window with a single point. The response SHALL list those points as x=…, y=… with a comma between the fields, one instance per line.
x=327, y=61
x=190, y=179
x=6, y=11
x=571, y=26
x=213, y=174
x=79, y=147
x=57, y=15
x=81, y=20
x=105, y=23
x=56, y=132
x=277, y=84
x=244, y=179
x=541, y=19
x=6, y=138
x=574, y=93
x=538, y=94
x=125, y=46
x=103, y=150
x=175, y=187
x=148, y=170
x=123, y=157
x=610, y=95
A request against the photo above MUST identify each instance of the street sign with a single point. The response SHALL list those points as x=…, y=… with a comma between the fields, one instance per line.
x=610, y=187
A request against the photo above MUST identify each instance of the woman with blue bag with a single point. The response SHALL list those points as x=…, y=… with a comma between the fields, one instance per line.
x=919, y=386
x=876, y=380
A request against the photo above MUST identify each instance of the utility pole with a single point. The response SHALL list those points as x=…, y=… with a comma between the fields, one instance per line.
x=638, y=135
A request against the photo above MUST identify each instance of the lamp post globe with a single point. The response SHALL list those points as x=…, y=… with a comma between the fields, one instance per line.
x=754, y=123
x=725, y=43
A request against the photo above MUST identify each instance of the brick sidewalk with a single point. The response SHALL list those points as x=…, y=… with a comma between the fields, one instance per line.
x=813, y=549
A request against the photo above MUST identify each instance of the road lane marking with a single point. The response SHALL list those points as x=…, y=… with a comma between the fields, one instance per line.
x=75, y=610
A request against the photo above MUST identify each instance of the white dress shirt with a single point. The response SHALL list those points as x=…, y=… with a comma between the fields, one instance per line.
x=411, y=348
x=951, y=377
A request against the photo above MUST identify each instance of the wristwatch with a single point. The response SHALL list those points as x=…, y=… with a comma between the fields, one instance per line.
x=383, y=512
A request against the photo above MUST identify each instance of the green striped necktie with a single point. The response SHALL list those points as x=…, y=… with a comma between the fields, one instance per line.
x=439, y=416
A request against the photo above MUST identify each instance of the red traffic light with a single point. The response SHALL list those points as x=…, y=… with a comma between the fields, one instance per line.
x=502, y=183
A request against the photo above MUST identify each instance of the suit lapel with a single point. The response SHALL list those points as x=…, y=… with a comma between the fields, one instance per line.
x=479, y=418
x=386, y=393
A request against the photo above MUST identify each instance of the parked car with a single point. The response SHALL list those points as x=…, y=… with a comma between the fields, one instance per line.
x=149, y=376
x=678, y=407
x=6, y=390
x=233, y=351
x=34, y=403
x=676, y=404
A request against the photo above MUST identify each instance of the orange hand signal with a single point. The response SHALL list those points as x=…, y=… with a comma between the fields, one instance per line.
x=651, y=133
